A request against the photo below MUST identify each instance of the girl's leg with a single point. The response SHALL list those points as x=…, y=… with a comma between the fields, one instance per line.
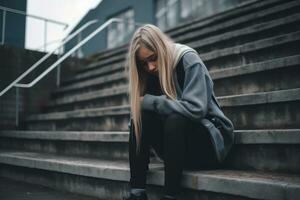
x=200, y=153
x=151, y=126
x=186, y=144
x=174, y=151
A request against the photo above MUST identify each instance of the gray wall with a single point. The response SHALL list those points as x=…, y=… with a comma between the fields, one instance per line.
x=15, y=61
x=15, y=23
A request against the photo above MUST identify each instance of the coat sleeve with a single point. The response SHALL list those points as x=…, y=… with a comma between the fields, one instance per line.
x=194, y=100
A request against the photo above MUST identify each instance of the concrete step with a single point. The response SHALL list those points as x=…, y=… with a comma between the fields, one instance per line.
x=277, y=74
x=217, y=31
x=27, y=190
x=114, y=96
x=102, y=63
x=233, y=38
x=247, y=111
x=255, y=32
x=109, y=179
x=98, y=72
x=241, y=9
x=108, y=145
x=270, y=75
x=114, y=118
x=264, y=110
x=188, y=28
x=107, y=53
x=244, y=9
x=265, y=17
x=267, y=150
x=258, y=51
x=97, y=83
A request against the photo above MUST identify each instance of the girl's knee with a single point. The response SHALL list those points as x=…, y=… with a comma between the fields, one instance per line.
x=175, y=121
x=175, y=116
x=175, y=127
x=150, y=118
x=147, y=114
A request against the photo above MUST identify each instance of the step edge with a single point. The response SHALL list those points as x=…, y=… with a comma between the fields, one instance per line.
x=260, y=136
x=219, y=182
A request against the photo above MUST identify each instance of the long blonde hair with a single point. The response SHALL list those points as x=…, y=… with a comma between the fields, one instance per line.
x=152, y=38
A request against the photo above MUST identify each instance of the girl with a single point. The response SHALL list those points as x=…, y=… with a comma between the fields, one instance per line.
x=173, y=111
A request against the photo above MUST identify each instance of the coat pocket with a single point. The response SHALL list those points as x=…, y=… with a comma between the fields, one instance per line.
x=216, y=139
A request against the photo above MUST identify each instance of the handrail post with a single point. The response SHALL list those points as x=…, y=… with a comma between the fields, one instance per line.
x=17, y=106
x=79, y=52
x=3, y=26
x=60, y=52
x=45, y=35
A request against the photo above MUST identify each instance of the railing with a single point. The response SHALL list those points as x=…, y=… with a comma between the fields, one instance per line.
x=5, y=10
x=64, y=41
x=16, y=83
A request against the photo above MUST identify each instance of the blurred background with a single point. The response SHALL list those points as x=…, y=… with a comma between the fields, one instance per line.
x=53, y=20
x=64, y=96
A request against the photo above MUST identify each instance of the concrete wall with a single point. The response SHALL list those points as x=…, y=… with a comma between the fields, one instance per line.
x=15, y=23
x=15, y=61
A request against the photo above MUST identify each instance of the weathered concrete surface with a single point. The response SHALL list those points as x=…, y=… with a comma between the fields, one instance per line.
x=99, y=145
x=264, y=12
x=13, y=190
x=252, y=54
x=251, y=13
x=239, y=108
x=14, y=62
x=248, y=184
x=118, y=66
x=263, y=136
x=269, y=150
x=276, y=74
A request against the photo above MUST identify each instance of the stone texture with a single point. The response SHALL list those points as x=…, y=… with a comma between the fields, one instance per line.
x=80, y=141
x=234, y=182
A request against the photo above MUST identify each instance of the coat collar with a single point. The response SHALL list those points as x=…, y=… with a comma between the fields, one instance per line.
x=179, y=51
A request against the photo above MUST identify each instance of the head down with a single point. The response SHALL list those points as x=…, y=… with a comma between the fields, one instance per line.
x=150, y=52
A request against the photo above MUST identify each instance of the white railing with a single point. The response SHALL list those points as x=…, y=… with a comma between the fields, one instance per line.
x=46, y=21
x=16, y=83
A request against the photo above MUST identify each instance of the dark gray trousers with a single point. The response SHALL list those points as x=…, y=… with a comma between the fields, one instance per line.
x=179, y=142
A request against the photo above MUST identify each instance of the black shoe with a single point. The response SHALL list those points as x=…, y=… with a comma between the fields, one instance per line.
x=143, y=196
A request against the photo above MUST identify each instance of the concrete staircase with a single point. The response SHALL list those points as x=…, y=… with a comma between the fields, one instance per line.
x=80, y=142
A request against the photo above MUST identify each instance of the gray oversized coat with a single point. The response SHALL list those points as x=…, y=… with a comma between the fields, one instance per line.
x=196, y=100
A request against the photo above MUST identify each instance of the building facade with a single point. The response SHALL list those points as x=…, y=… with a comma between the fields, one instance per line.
x=15, y=24
x=165, y=14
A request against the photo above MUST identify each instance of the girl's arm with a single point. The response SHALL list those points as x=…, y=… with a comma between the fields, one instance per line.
x=197, y=91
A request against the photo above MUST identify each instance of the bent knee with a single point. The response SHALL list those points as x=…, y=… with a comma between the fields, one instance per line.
x=176, y=117
x=147, y=114
x=175, y=122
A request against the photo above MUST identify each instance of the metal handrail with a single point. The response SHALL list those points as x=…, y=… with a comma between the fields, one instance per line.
x=46, y=20
x=65, y=40
x=85, y=40
x=33, y=16
x=61, y=59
